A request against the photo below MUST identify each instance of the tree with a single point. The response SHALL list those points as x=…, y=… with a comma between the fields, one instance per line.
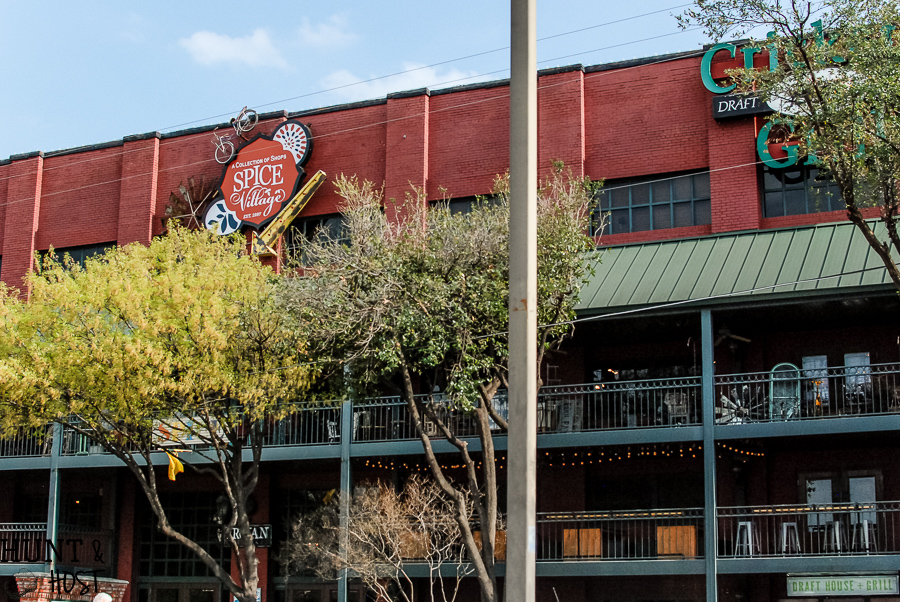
x=834, y=81
x=151, y=348
x=386, y=530
x=420, y=304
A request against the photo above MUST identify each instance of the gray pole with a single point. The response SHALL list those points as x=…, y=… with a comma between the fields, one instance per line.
x=53, y=497
x=520, y=555
x=709, y=455
x=346, y=490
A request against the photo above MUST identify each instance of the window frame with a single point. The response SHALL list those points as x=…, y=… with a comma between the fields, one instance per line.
x=647, y=200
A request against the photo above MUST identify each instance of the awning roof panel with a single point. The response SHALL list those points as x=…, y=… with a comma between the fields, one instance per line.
x=714, y=269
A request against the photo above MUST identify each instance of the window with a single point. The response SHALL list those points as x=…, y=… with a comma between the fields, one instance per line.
x=465, y=204
x=798, y=190
x=654, y=203
x=192, y=514
x=860, y=487
x=81, y=253
x=312, y=228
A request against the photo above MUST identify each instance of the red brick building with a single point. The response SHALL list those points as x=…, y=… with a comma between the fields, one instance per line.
x=725, y=422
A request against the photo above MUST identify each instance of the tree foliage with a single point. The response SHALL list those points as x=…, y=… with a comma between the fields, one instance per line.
x=420, y=303
x=386, y=531
x=835, y=83
x=146, y=347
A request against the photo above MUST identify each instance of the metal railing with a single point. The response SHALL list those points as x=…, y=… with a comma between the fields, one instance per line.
x=807, y=393
x=23, y=542
x=320, y=425
x=620, y=404
x=388, y=419
x=809, y=530
x=621, y=535
x=27, y=443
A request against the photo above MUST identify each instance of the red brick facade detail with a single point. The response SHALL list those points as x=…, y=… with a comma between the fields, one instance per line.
x=406, y=150
x=733, y=180
x=137, y=201
x=20, y=224
x=561, y=121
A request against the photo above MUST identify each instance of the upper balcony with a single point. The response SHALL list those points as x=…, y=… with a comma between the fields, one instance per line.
x=666, y=409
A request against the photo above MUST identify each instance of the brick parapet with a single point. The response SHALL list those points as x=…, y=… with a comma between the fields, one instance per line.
x=20, y=224
x=137, y=199
x=561, y=121
x=406, y=148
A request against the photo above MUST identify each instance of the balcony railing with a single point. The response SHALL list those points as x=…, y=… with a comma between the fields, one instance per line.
x=807, y=393
x=23, y=542
x=27, y=443
x=620, y=404
x=810, y=530
x=625, y=535
x=787, y=394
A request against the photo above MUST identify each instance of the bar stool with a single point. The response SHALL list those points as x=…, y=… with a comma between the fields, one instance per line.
x=747, y=542
x=790, y=538
x=863, y=537
x=834, y=537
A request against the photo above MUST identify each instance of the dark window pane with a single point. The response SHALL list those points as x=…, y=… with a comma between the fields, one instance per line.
x=618, y=222
x=619, y=197
x=640, y=194
x=792, y=177
x=662, y=192
x=819, y=199
x=640, y=219
x=683, y=215
x=771, y=181
x=795, y=202
x=702, y=213
x=774, y=206
x=682, y=188
x=662, y=217
x=701, y=185
x=603, y=198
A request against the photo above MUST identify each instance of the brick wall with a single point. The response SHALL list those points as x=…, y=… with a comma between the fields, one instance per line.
x=43, y=587
x=603, y=122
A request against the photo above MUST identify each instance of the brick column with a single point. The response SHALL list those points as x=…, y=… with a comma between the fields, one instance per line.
x=126, y=566
x=406, y=153
x=561, y=119
x=137, y=199
x=733, y=180
x=22, y=215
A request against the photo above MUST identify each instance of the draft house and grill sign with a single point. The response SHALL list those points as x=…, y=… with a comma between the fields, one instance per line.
x=841, y=585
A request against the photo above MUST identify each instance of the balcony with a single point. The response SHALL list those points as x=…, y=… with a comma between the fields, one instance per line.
x=791, y=393
x=670, y=534
x=809, y=530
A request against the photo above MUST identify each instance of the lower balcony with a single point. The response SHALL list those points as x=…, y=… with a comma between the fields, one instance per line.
x=809, y=530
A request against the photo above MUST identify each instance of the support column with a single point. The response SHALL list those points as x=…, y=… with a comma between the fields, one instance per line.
x=709, y=455
x=53, y=495
x=346, y=490
x=521, y=535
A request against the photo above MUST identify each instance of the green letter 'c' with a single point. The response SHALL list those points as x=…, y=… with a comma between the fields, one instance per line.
x=706, y=68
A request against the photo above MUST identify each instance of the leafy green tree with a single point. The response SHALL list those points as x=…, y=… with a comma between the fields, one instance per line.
x=835, y=84
x=420, y=303
x=159, y=347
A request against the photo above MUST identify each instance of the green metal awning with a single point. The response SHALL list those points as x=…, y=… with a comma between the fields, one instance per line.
x=828, y=258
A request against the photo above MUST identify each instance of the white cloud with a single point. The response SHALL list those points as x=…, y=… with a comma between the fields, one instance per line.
x=255, y=50
x=329, y=34
x=352, y=87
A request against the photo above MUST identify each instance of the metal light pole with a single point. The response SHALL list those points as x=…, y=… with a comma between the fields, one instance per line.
x=519, y=583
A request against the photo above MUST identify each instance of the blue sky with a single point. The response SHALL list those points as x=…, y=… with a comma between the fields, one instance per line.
x=78, y=73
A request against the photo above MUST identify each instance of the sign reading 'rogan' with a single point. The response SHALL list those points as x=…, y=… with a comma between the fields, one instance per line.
x=263, y=176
